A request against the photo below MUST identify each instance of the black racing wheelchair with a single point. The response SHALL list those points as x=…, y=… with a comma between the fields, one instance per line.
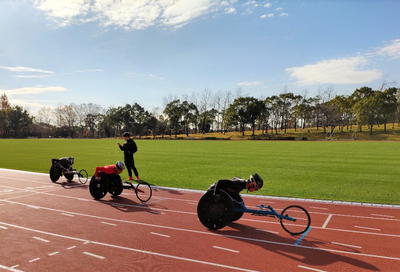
x=215, y=211
x=112, y=184
x=63, y=167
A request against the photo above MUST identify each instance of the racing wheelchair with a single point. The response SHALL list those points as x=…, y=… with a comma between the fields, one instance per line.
x=215, y=211
x=112, y=184
x=63, y=167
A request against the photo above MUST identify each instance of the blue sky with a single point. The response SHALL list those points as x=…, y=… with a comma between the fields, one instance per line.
x=113, y=52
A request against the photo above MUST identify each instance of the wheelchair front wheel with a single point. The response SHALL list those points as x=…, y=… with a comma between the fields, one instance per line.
x=143, y=191
x=301, y=220
x=83, y=176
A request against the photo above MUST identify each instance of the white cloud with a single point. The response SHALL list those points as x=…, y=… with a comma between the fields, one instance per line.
x=184, y=11
x=246, y=83
x=230, y=10
x=36, y=76
x=136, y=14
x=139, y=14
x=267, y=16
x=33, y=90
x=25, y=69
x=65, y=10
x=279, y=9
x=284, y=14
x=335, y=71
x=85, y=71
x=392, y=50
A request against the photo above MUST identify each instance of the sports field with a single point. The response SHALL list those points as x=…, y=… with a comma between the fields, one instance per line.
x=340, y=170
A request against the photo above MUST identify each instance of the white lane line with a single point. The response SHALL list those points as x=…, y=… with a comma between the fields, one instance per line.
x=67, y=214
x=382, y=215
x=93, y=255
x=205, y=233
x=156, y=212
x=54, y=253
x=159, y=234
x=111, y=224
x=192, y=203
x=275, y=232
x=68, y=248
x=34, y=260
x=309, y=268
x=227, y=249
x=12, y=268
x=340, y=244
x=33, y=207
x=319, y=208
x=360, y=227
x=40, y=239
x=327, y=221
x=1, y=227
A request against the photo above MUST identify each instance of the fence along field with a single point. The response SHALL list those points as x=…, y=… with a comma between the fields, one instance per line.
x=333, y=170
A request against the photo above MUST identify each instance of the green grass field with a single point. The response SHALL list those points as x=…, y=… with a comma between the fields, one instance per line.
x=334, y=170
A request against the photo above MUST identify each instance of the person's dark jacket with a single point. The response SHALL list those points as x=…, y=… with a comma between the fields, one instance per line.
x=235, y=185
x=129, y=148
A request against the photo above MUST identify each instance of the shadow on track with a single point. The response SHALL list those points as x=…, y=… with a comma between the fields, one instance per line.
x=127, y=205
x=308, y=252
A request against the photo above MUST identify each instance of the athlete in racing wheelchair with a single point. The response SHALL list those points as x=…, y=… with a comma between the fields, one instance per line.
x=216, y=208
x=107, y=179
x=63, y=166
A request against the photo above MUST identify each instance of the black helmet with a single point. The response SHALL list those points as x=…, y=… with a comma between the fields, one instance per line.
x=257, y=180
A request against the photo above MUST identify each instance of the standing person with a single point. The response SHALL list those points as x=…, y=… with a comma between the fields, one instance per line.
x=129, y=149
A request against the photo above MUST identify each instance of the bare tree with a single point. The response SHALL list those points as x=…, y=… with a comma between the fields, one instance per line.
x=205, y=103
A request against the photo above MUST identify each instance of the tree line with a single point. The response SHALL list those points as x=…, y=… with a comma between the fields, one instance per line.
x=207, y=112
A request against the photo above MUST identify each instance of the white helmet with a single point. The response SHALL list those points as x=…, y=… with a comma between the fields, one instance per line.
x=120, y=165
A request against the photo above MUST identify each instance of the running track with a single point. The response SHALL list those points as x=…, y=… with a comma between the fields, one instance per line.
x=47, y=226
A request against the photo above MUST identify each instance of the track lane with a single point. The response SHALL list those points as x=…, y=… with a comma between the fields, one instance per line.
x=168, y=226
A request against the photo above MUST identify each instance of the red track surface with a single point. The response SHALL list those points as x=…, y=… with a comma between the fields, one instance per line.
x=47, y=226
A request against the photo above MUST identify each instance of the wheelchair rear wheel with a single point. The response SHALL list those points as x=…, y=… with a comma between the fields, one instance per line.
x=98, y=188
x=55, y=173
x=215, y=211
